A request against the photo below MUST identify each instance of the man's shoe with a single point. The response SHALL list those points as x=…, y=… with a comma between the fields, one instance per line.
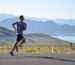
x=16, y=48
x=21, y=46
x=11, y=53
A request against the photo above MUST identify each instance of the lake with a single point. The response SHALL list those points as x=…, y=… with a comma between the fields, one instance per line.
x=67, y=38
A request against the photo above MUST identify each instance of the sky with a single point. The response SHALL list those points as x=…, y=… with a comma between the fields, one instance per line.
x=51, y=9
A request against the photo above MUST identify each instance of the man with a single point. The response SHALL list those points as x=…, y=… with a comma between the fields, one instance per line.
x=19, y=27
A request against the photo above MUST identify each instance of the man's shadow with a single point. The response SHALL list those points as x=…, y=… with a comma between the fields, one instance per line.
x=67, y=60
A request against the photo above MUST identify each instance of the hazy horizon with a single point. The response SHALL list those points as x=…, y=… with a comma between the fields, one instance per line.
x=51, y=9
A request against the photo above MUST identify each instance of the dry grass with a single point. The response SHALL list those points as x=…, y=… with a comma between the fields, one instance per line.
x=65, y=48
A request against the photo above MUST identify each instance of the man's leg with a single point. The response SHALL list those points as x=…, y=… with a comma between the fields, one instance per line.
x=22, y=42
x=14, y=47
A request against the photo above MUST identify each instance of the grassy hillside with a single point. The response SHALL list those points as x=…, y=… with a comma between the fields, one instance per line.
x=8, y=36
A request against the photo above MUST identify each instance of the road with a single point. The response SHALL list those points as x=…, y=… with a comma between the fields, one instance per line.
x=37, y=59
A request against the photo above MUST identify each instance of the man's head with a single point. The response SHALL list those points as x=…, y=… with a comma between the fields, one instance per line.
x=21, y=17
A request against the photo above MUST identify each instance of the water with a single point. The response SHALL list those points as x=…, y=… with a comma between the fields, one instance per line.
x=67, y=38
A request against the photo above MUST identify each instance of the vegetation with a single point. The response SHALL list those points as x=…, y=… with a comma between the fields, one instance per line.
x=65, y=48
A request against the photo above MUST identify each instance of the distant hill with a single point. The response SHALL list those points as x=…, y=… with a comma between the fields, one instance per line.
x=65, y=21
x=42, y=26
x=8, y=36
x=5, y=16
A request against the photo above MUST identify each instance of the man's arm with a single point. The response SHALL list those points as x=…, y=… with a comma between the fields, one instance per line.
x=14, y=25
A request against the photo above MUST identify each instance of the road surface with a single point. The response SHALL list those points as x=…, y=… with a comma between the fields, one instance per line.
x=37, y=59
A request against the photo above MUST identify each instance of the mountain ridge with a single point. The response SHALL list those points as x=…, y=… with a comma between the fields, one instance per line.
x=36, y=25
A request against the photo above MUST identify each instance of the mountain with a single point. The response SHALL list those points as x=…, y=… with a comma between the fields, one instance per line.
x=5, y=16
x=7, y=23
x=42, y=26
x=8, y=36
x=65, y=21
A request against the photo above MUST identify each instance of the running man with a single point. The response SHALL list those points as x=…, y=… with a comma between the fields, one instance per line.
x=19, y=27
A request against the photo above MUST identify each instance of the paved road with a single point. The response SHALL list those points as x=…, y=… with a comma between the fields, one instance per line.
x=37, y=59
